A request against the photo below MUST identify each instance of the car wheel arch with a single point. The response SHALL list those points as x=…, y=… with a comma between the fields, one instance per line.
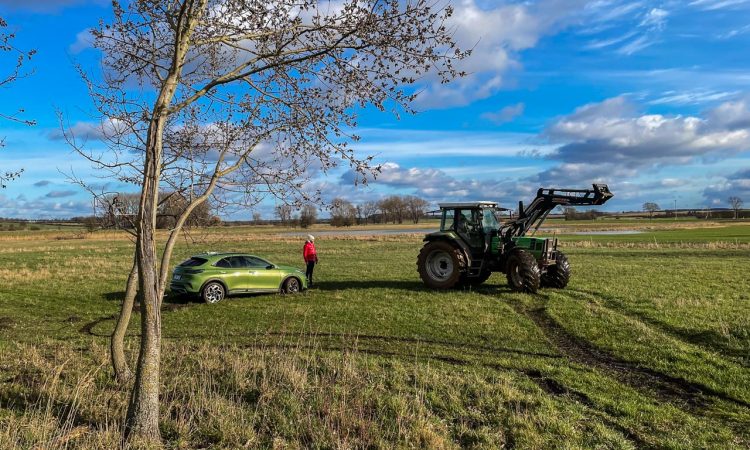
x=283, y=281
x=212, y=280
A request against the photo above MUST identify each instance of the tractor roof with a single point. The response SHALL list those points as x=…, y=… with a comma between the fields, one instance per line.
x=468, y=205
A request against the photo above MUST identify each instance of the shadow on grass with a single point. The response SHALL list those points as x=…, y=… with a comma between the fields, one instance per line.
x=406, y=285
x=29, y=397
x=170, y=301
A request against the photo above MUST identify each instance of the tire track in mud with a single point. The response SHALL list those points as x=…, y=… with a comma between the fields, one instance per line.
x=667, y=388
x=554, y=388
x=614, y=304
x=681, y=393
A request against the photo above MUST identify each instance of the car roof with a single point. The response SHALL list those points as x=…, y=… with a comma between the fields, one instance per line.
x=209, y=255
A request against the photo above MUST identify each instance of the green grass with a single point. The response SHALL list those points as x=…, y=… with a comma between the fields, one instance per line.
x=649, y=346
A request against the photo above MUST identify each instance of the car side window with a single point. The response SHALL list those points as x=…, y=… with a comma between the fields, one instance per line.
x=252, y=261
x=224, y=263
x=238, y=262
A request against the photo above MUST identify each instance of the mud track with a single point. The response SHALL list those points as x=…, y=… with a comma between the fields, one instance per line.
x=665, y=387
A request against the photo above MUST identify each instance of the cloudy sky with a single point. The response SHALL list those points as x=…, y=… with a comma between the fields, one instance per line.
x=651, y=97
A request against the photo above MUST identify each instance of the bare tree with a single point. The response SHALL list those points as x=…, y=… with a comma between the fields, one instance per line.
x=19, y=57
x=651, y=208
x=343, y=213
x=736, y=204
x=234, y=100
x=308, y=216
x=257, y=218
x=284, y=213
x=415, y=207
x=368, y=209
x=393, y=208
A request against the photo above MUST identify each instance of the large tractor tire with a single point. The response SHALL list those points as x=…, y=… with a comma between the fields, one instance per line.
x=558, y=275
x=523, y=272
x=440, y=265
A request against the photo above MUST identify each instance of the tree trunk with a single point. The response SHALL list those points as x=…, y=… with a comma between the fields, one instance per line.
x=142, y=422
x=117, y=351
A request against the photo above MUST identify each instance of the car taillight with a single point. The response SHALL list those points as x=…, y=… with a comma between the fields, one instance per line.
x=192, y=271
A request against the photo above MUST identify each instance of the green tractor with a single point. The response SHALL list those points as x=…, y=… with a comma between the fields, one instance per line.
x=472, y=244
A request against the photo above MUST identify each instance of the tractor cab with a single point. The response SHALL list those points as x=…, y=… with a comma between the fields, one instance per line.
x=474, y=222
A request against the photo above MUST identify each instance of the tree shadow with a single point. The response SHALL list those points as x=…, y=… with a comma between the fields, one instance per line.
x=33, y=399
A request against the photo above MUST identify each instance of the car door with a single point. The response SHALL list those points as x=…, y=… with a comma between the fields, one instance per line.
x=261, y=276
x=232, y=272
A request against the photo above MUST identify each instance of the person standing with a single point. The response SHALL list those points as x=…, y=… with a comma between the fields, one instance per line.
x=311, y=258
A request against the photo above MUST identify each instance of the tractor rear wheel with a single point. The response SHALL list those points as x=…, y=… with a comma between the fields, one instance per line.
x=523, y=272
x=440, y=265
x=557, y=275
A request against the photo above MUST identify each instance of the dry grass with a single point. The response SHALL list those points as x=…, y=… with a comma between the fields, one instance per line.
x=266, y=397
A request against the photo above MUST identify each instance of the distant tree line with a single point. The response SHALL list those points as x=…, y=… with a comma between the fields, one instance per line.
x=119, y=211
x=571, y=213
x=393, y=209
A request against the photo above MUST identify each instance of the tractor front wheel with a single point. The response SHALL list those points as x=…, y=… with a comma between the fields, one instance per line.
x=440, y=265
x=557, y=275
x=523, y=272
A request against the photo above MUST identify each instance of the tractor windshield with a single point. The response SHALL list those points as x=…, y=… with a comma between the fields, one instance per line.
x=489, y=221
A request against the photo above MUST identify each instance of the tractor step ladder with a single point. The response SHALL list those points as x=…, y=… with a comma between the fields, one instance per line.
x=477, y=263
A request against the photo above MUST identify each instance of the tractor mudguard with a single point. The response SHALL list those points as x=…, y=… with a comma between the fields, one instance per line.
x=452, y=239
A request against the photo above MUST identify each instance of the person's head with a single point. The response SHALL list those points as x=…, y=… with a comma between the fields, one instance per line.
x=310, y=238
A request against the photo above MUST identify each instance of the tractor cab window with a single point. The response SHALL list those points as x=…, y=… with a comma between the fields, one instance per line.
x=489, y=220
x=447, y=223
x=469, y=226
x=470, y=220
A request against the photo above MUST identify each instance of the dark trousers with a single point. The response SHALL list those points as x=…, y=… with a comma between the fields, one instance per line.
x=309, y=273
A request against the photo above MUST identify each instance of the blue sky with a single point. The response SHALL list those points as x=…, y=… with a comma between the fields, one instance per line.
x=651, y=97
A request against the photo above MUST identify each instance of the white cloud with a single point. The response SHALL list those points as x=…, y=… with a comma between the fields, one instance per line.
x=436, y=185
x=84, y=40
x=506, y=114
x=623, y=25
x=611, y=140
x=496, y=35
x=718, y=4
x=734, y=185
x=389, y=143
x=21, y=207
x=691, y=97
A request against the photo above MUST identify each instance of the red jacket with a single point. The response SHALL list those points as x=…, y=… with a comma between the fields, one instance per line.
x=309, y=253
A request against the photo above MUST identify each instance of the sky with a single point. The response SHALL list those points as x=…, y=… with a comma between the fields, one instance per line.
x=650, y=97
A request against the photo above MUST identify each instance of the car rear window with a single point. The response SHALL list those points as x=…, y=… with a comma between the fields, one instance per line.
x=193, y=262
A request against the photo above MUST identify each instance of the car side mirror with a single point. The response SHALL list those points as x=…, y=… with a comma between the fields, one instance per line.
x=270, y=266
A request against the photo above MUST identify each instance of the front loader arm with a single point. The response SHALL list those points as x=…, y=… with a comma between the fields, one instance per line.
x=548, y=199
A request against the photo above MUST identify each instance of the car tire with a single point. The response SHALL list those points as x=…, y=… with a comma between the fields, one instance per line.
x=292, y=285
x=213, y=292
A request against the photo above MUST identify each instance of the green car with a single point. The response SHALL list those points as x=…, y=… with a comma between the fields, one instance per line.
x=213, y=276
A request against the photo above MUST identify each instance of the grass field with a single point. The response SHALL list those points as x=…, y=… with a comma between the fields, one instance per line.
x=648, y=347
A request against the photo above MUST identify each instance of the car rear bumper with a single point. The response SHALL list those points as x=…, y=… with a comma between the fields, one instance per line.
x=181, y=287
